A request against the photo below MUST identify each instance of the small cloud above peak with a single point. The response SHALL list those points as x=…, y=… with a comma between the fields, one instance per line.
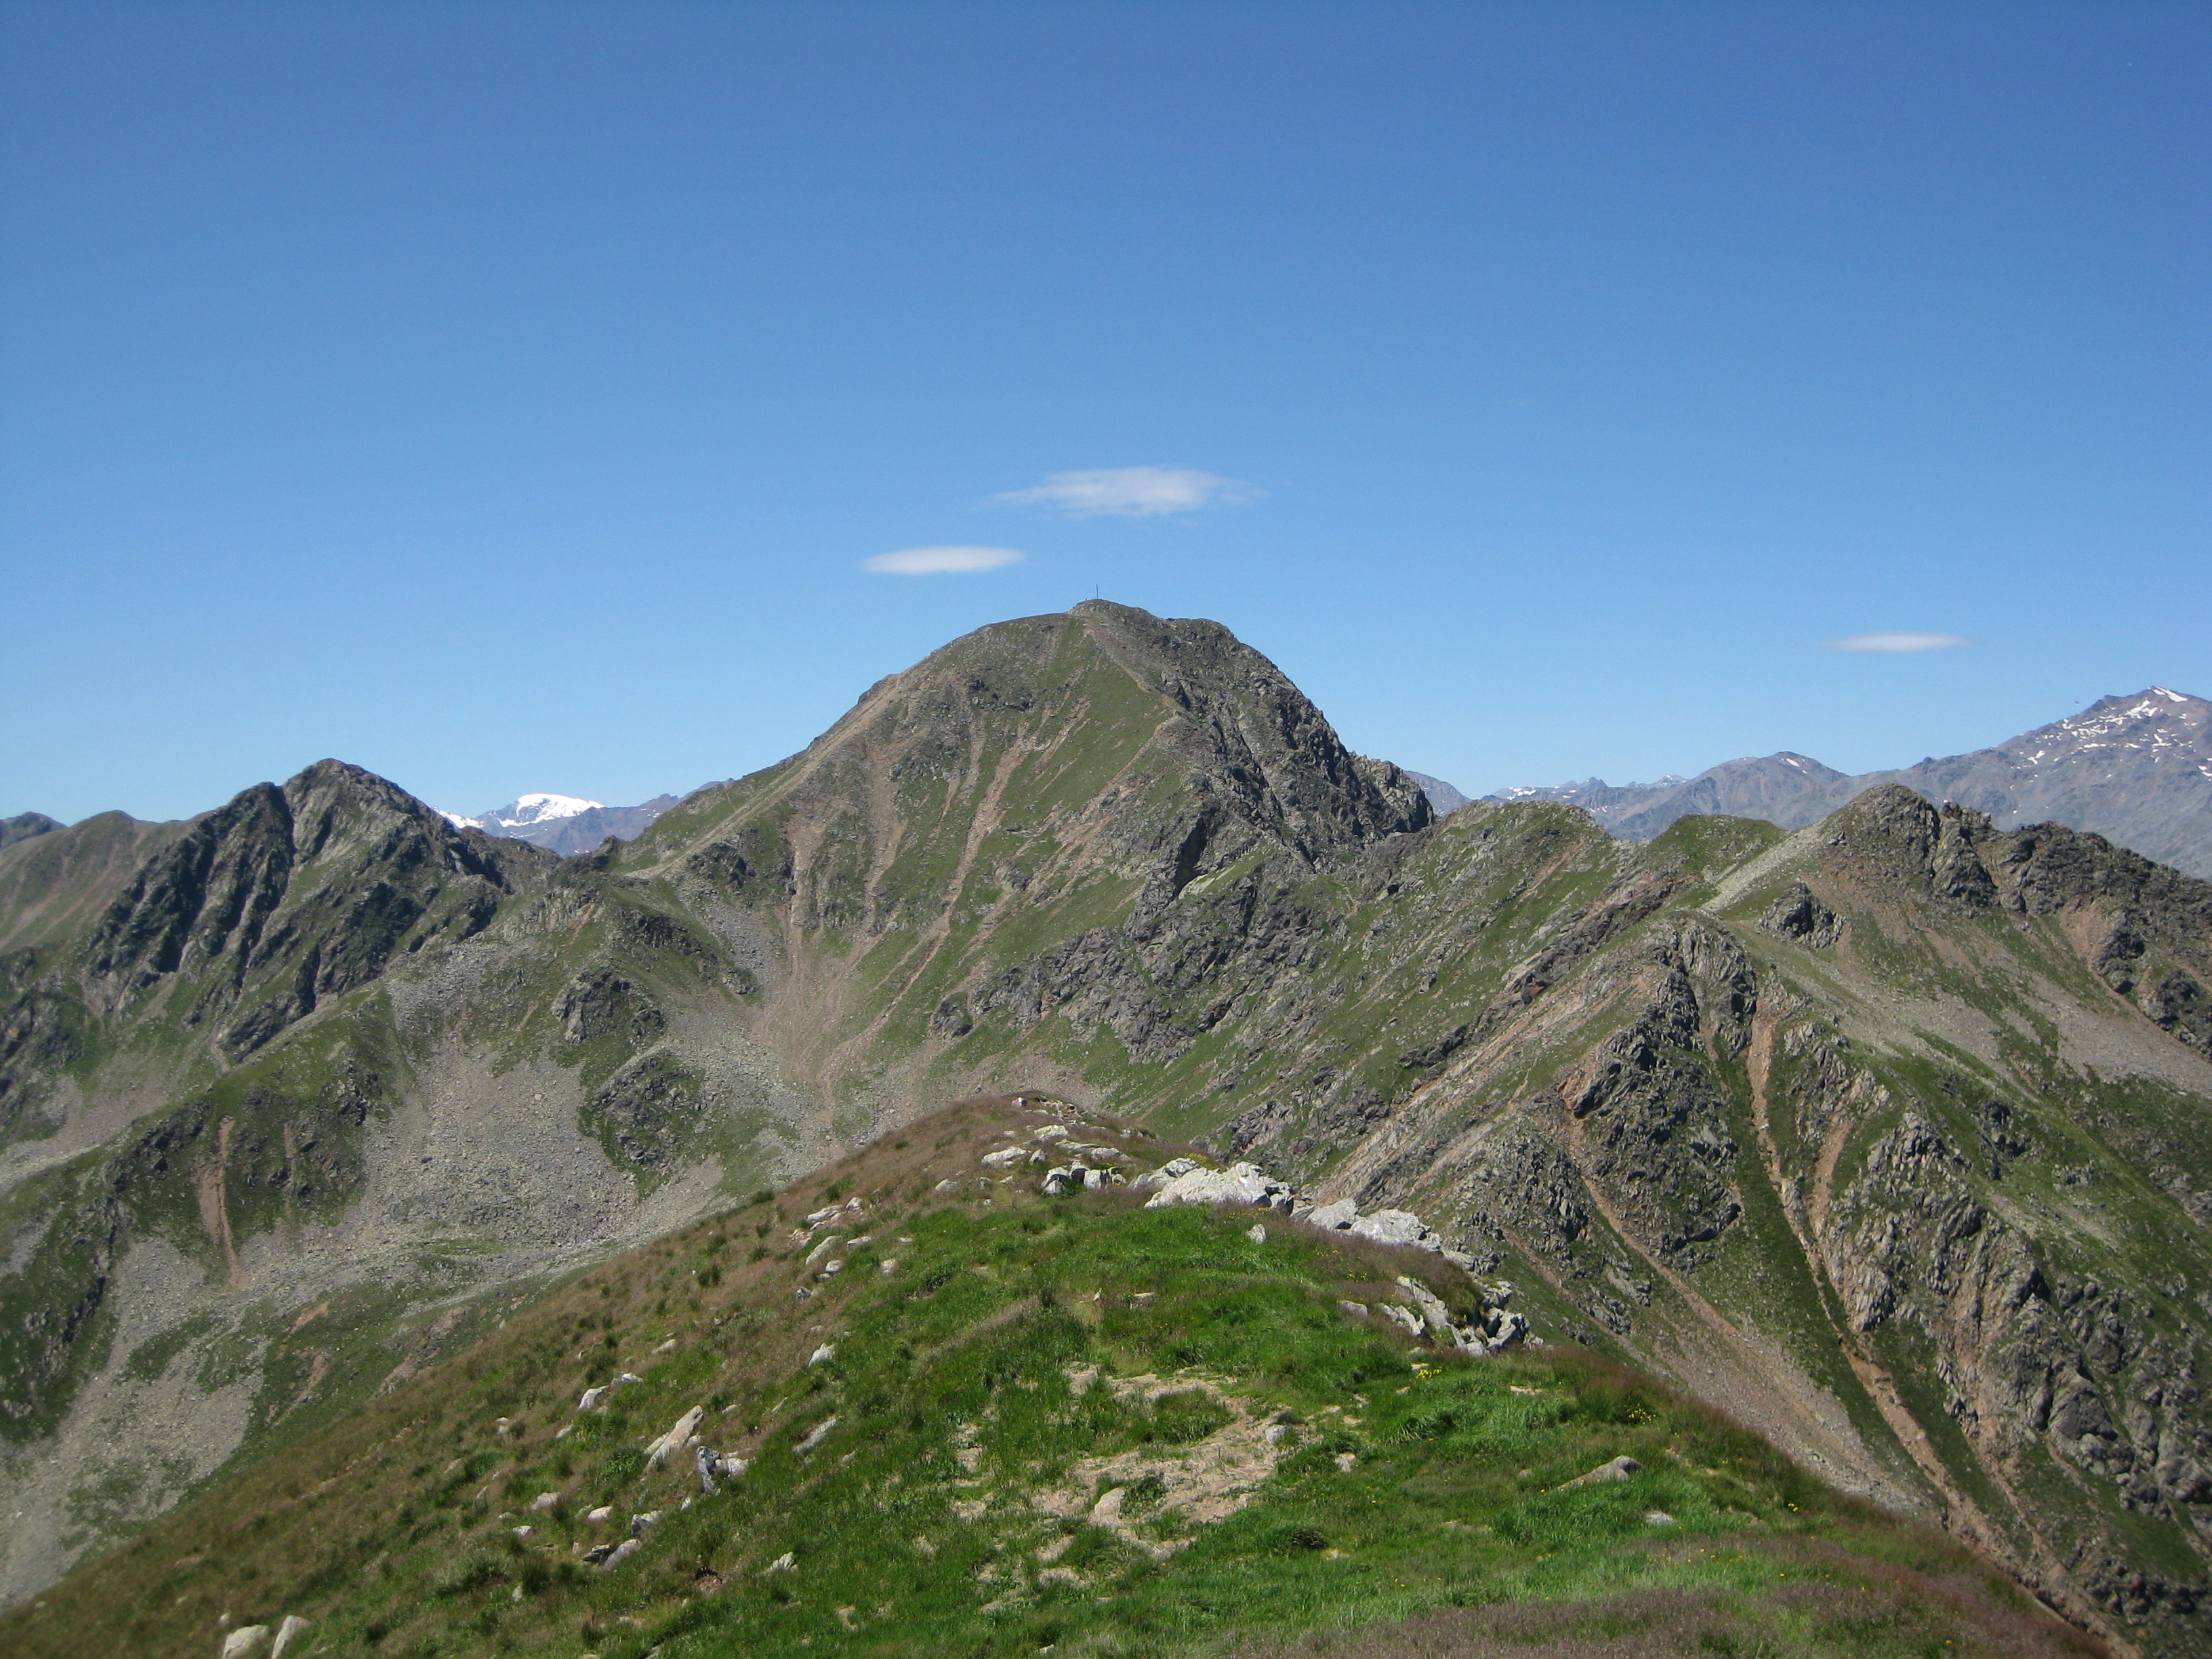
x=1132, y=492
x=1897, y=643
x=941, y=561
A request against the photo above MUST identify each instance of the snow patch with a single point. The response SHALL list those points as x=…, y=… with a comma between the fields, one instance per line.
x=524, y=810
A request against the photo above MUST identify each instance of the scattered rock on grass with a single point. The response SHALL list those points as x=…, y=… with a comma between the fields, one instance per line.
x=677, y=1437
x=1620, y=1469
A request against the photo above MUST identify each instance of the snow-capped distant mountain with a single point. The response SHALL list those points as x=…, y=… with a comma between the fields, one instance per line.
x=526, y=810
x=2136, y=770
x=565, y=825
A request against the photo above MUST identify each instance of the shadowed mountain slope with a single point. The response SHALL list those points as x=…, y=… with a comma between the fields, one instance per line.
x=24, y=825
x=1884, y=1136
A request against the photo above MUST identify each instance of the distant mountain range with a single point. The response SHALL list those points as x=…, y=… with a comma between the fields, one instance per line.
x=2136, y=770
x=563, y=823
x=1884, y=1138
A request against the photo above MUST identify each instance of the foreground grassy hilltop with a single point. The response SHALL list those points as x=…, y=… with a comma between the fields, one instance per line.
x=1886, y=1138
x=933, y=1432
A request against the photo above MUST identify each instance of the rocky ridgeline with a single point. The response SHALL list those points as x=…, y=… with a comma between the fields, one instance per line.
x=1093, y=1166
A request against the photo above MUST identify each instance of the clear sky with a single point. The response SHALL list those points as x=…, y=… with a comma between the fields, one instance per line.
x=512, y=398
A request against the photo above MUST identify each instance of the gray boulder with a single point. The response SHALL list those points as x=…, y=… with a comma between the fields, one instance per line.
x=1395, y=1227
x=1620, y=1469
x=616, y=1556
x=1240, y=1183
x=678, y=1436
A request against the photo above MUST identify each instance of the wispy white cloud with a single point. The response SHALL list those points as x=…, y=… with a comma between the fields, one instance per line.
x=1132, y=492
x=941, y=560
x=1897, y=643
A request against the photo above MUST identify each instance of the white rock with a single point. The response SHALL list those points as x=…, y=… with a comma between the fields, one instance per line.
x=1345, y=1460
x=628, y=1376
x=1434, y=1314
x=816, y=1217
x=1108, y=1508
x=827, y=1351
x=1004, y=1156
x=1393, y=1227
x=240, y=1643
x=888, y=1265
x=620, y=1553
x=1240, y=1183
x=1169, y=1170
x=668, y=1346
x=1357, y=1310
x=1256, y=1233
x=817, y=1435
x=522, y=1532
x=641, y=1524
x=591, y=1397
x=678, y=1436
x=287, y=1633
x=783, y=1562
x=1335, y=1217
x=544, y=1501
x=1620, y=1469
x=1658, y=1518
x=603, y=1513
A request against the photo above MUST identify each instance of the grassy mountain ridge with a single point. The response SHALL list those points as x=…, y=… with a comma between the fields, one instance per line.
x=976, y=1420
x=1883, y=1136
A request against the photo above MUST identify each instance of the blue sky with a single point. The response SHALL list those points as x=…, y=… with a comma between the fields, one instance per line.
x=511, y=397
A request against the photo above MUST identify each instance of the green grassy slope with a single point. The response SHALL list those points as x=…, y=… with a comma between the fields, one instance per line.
x=1001, y=1363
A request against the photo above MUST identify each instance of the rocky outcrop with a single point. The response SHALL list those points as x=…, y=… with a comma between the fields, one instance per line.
x=288, y=898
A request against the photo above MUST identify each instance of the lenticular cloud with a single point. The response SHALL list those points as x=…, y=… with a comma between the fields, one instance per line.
x=1133, y=492
x=941, y=560
x=1897, y=643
